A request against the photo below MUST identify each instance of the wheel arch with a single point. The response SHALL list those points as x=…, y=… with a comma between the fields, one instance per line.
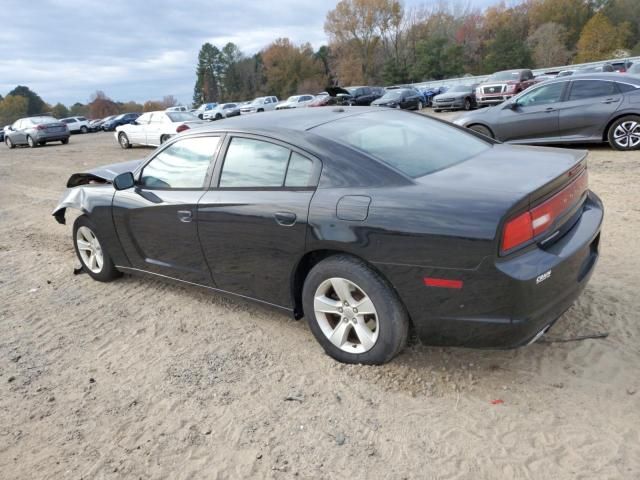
x=493, y=135
x=311, y=259
x=617, y=116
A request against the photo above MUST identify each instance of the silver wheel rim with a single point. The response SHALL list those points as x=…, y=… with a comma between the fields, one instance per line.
x=123, y=140
x=419, y=105
x=30, y=142
x=627, y=134
x=346, y=315
x=90, y=249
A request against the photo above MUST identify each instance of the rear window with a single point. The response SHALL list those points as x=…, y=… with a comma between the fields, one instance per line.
x=42, y=120
x=181, y=116
x=412, y=143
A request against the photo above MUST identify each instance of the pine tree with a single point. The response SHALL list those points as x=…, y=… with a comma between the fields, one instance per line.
x=207, y=89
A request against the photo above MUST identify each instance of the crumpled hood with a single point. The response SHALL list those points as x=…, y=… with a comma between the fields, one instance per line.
x=106, y=173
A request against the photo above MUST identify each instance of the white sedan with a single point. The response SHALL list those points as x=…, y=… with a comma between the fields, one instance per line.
x=155, y=128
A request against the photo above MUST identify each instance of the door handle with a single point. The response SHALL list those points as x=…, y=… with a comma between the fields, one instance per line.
x=610, y=100
x=286, y=219
x=549, y=109
x=185, y=216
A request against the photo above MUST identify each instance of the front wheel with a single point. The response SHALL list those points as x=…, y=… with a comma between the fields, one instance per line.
x=420, y=105
x=467, y=104
x=94, y=258
x=9, y=143
x=64, y=141
x=84, y=129
x=624, y=133
x=123, y=140
x=353, y=313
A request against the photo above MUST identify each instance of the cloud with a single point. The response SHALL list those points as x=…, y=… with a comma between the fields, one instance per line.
x=138, y=49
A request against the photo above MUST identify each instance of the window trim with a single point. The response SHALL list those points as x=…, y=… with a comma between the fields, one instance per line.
x=137, y=174
x=564, y=94
x=222, y=155
x=573, y=81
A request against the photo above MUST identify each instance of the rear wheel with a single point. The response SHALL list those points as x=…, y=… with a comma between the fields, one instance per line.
x=164, y=138
x=32, y=143
x=64, y=141
x=260, y=110
x=218, y=116
x=9, y=143
x=123, y=140
x=624, y=133
x=353, y=313
x=94, y=258
x=437, y=110
x=420, y=106
x=481, y=129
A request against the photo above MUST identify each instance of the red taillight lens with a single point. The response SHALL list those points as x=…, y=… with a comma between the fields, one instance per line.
x=532, y=223
x=182, y=128
x=40, y=127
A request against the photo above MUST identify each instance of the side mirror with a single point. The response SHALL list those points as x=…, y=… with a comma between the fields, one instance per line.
x=512, y=105
x=133, y=122
x=124, y=181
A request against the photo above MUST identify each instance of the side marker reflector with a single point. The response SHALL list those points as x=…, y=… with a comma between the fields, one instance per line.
x=442, y=283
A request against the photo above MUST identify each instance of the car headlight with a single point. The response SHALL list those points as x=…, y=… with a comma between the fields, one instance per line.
x=459, y=122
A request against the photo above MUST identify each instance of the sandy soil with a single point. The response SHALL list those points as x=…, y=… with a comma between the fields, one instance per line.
x=140, y=379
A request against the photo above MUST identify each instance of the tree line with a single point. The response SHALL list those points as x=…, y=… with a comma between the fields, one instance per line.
x=382, y=42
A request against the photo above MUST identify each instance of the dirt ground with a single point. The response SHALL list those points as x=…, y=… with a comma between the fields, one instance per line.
x=142, y=379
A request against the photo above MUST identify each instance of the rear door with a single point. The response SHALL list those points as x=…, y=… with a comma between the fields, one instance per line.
x=158, y=125
x=137, y=132
x=535, y=115
x=156, y=221
x=589, y=106
x=253, y=222
x=17, y=133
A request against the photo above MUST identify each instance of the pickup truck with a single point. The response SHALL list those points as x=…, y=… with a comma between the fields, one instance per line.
x=502, y=86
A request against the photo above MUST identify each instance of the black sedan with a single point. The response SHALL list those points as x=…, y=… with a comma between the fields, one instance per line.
x=591, y=108
x=342, y=216
x=403, y=98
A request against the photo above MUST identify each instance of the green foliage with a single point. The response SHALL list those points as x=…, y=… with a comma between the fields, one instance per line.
x=60, y=111
x=507, y=50
x=207, y=73
x=393, y=72
x=35, y=104
x=600, y=38
x=437, y=58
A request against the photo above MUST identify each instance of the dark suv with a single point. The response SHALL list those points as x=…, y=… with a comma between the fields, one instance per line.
x=34, y=131
x=363, y=96
x=122, y=119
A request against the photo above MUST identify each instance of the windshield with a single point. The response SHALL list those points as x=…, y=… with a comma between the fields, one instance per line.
x=398, y=139
x=43, y=120
x=504, y=76
x=257, y=101
x=460, y=88
x=392, y=94
x=181, y=116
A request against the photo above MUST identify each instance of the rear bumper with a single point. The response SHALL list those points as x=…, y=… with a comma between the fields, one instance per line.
x=504, y=303
x=52, y=137
x=449, y=105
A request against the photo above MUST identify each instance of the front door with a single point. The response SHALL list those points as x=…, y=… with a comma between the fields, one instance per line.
x=534, y=114
x=253, y=224
x=157, y=221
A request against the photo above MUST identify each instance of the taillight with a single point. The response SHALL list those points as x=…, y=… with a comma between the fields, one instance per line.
x=528, y=225
x=40, y=127
x=182, y=128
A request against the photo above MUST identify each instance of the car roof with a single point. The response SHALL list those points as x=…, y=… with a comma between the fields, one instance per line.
x=611, y=76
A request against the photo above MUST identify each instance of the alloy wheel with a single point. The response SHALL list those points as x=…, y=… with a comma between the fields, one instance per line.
x=90, y=249
x=346, y=315
x=627, y=134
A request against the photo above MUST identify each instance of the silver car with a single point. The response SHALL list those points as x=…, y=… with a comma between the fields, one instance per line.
x=35, y=131
x=587, y=108
x=223, y=110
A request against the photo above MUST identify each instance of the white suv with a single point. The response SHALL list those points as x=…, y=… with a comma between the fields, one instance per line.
x=260, y=104
x=76, y=124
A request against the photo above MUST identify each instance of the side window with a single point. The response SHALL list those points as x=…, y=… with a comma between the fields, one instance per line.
x=625, y=87
x=17, y=125
x=82, y=119
x=254, y=163
x=550, y=93
x=144, y=119
x=181, y=165
x=583, y=89
x=300, y=171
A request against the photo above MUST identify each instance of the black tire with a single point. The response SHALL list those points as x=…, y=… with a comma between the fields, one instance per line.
x=163, y=139
x=481, y=129
x=624, y=123
x=393, y=320
x=437, y=110
x=9, y=143
x=260, y=110
x=218, y=116
x=467, y=104
x=108, y=271
x=42, y=144
x=123, y=140
x=84, y=129
x=64, y=141
x=31, y=142
x=420, y=106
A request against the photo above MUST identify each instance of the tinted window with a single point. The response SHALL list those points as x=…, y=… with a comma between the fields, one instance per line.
x=625, y=87
x=254, y=163
x=414, y=144
x=179, y=117
x=581, y=89
x=299, y=172
x=542, y=95
x=182, y=165
x=82, y=119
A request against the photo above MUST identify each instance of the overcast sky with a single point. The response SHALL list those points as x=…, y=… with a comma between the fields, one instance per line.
x=141, y=49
